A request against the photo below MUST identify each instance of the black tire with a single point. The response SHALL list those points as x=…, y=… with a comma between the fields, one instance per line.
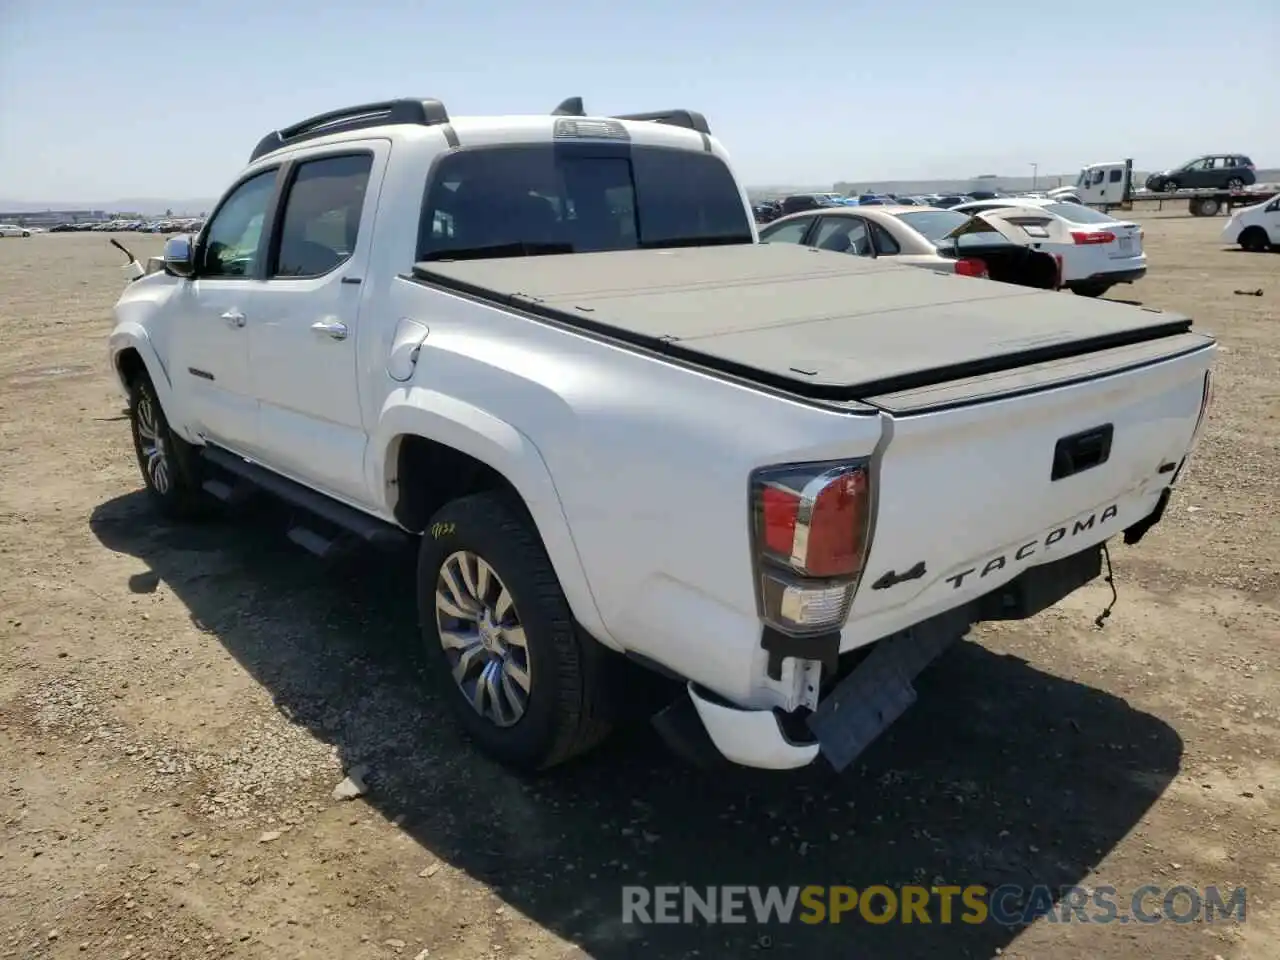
x=1255, y=239
x=26, y=233
x=178, y=494
x=563, y=714
x=1168, y=186
x=1235, y=183
x=1090, y=289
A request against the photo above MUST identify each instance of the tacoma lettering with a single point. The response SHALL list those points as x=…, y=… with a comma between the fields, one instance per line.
x=1027, y=550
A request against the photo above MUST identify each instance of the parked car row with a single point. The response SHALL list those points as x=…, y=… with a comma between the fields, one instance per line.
x=766, y=211
x=939, y=240
x=1093, y=250
x=179, y=225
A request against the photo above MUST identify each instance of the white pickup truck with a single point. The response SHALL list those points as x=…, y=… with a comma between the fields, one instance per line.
x=551, y=349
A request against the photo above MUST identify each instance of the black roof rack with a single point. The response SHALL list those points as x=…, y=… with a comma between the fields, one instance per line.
x=426, y=113
x=689, y=119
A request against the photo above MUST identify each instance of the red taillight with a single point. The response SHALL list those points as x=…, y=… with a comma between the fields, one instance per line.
x=815, y=523
x=778, y=517
x=971, y=267
x=1092, y=236
x=811, y=525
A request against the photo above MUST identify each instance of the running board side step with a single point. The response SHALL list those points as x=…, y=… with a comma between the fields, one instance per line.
x=250, y=476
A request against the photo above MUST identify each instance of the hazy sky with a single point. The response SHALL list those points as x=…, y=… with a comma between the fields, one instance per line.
x=138, y=98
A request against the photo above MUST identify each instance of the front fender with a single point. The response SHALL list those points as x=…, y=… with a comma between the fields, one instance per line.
x=416, y=411
x=130, y=335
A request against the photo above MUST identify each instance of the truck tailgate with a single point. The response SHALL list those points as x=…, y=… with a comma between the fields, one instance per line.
x=980, y=479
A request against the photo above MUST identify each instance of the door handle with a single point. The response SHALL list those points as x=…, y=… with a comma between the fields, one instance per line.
x=333, y=329
x=234, y=318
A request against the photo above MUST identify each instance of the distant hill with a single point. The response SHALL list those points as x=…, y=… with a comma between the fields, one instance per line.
x=199, y=205
x=911, y=187
x=151, y=205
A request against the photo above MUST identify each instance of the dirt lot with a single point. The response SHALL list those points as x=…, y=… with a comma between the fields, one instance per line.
x=177, y=705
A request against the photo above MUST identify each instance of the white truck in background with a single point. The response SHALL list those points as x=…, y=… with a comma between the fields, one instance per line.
x=550, y=351
x=1109, y=186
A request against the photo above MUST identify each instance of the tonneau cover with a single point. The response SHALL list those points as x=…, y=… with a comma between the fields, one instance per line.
x=820, y=324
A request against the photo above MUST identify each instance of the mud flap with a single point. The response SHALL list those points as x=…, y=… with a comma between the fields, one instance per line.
x=868, y=701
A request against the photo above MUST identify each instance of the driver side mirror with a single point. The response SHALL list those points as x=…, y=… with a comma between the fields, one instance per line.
x=179, y=256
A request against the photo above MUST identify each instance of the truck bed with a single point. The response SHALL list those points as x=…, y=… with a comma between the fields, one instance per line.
x=825, y=326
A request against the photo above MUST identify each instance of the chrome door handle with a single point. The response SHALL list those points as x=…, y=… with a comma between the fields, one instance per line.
x=331, y=328
x=234, y=318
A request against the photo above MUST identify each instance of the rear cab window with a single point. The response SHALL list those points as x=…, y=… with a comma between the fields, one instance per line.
x=530, y=199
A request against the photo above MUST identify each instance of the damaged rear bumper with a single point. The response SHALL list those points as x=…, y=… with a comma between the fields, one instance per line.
x=707, y=729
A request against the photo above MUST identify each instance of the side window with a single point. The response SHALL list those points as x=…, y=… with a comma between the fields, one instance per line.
x=1097, y=176
x=1116, y=176
x=322, y=215
x=234, y=234
x=1208, y=164
x=886, y=246
x=844, y=235
x=792, y=231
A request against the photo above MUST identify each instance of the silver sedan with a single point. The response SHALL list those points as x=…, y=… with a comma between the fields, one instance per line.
x=997, y=246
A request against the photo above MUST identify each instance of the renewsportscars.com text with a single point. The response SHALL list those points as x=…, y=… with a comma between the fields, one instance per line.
x=1008, y=905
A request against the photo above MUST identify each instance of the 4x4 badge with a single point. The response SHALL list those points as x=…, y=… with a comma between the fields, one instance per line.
x=892, y=579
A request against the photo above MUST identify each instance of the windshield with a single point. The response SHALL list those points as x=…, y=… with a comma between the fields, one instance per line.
x=1076, y=213
x=1083, y=179
x=578, y=197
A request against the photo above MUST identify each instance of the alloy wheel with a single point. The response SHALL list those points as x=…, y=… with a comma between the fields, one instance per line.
x=151, y=447
x=483, y=638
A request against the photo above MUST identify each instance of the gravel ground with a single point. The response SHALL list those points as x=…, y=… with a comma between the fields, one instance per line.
x=178, y=705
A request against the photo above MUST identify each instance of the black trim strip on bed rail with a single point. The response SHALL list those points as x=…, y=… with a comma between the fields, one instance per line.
x=831, y=393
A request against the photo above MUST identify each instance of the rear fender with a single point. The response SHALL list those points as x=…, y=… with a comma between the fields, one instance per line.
x=419, y=412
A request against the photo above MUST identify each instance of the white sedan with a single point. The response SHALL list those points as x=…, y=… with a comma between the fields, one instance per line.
x=994, y=246
x=13, y=230
x=1255, y=228
x=1098, y=251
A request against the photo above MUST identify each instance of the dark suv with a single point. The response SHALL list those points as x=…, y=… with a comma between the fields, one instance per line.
x=1214, y=171
x=798, y=202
